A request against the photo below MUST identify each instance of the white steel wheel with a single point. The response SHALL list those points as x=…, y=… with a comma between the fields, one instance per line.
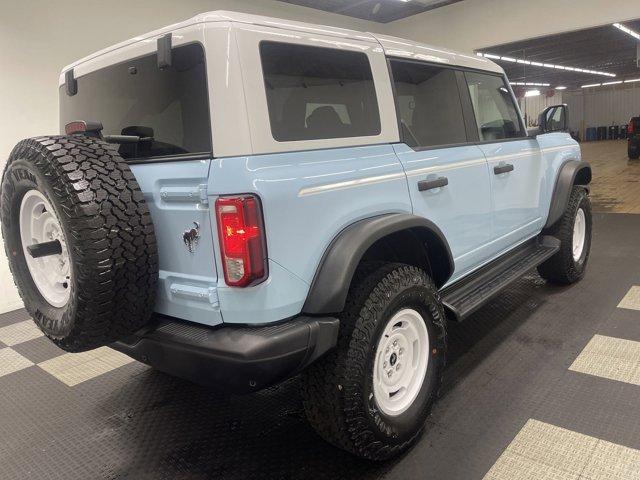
x=401, y=361
x=579, y=234
x=39, y=224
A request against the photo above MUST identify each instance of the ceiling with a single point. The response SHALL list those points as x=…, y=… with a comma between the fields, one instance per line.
x=605, y=49
x=382, y=11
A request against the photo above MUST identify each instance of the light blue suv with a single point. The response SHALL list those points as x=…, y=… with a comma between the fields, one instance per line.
x=236, y=199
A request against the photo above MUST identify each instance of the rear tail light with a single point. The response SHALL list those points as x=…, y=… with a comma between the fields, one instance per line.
x=630, y=128
x=242, y=240
x=80, y=126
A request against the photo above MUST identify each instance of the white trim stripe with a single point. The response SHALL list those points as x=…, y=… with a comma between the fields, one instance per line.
x=358, y=182
x=446, y=167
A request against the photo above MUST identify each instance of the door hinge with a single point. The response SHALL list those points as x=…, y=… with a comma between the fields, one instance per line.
x=193, y=194
x=199, y=294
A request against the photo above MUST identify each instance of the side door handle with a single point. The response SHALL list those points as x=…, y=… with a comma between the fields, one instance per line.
x=503, y=169
x=439, y=182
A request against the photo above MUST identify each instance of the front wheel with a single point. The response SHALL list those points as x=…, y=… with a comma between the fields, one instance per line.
x=371, y=395
x=573, y=230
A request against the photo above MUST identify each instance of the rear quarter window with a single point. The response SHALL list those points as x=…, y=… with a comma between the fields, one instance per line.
x=168, y=107
x=318, y=93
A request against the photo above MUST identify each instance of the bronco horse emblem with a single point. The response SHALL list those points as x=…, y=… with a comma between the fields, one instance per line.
x=192, y=237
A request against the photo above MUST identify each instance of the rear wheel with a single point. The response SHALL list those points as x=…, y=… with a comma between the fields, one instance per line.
x=371, y=395
x=573, y=230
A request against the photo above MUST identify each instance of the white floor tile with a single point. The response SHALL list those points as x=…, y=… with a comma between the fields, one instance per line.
x=19, y=333
x=543, y=451
x=75, y=368
x=613, y=462
x=631, y=300
x=612, y=358
x=11, y=361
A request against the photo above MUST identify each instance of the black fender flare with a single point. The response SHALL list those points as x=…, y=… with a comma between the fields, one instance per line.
x=573, y=172
x=333, y=276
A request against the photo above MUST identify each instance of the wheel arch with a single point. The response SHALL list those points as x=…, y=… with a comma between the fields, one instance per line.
x=375, y=238
x=573, y=172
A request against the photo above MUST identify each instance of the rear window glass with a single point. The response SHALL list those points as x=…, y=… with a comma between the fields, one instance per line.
x=318, y=93
x=428, y=104
x=168, y=108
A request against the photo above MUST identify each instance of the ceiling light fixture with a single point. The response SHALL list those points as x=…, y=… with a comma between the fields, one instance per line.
x=530, y=84
x=492, y=56
x=627, y=30
x=630, y=80
x=561, y=88
x=532, y=93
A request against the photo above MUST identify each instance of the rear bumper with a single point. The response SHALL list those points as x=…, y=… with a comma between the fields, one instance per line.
x=232, y=358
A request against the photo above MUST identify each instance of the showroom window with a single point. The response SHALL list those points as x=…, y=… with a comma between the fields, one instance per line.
x=318, y=93
x=428, y=104
x=495, y=111
x=168, y=108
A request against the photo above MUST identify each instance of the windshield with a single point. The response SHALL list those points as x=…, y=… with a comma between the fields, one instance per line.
x=168, y=108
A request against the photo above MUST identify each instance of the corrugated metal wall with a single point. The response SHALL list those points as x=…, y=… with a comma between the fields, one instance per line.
x=532, y=106
x=602, y=106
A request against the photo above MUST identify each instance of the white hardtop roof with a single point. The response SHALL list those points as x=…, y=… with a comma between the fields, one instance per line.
x=393, y=46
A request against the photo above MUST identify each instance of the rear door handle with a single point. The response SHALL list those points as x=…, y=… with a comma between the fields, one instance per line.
x=503, y=169
x=439, y=182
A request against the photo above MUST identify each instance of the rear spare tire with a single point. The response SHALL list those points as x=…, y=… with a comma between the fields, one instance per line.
x=80, y=240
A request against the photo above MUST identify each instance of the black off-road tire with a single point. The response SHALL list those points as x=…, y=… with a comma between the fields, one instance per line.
x=108, y=230
x=337, y=391
x=562, y=268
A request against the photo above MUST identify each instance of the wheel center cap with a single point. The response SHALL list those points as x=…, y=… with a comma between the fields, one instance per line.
x=393, y=359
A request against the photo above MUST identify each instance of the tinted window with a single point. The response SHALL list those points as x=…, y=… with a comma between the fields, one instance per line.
x=317, y=93
x=493, y=105
x=428, y=104
x=168, y=107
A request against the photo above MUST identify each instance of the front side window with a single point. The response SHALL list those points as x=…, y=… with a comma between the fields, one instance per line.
x=167, y=108
x=318, y=93
x=428, y=104
x=494, y=109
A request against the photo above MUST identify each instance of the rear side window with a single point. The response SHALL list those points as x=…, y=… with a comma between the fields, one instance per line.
x=493, y=105
x=318, y=93
x=168, y=108
x=428, y=104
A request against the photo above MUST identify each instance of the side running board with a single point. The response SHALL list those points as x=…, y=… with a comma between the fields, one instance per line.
x=467, y=295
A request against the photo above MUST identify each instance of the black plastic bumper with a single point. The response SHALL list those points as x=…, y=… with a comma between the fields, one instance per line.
x=232, y=358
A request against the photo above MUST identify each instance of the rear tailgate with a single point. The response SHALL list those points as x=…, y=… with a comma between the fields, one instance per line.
x=179, y=207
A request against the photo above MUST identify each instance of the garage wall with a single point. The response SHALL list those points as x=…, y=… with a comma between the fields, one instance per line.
x=39, y=37
x=603, y=106
x=474, y=24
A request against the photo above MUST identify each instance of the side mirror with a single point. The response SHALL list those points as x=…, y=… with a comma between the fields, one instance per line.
x=553, y=119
